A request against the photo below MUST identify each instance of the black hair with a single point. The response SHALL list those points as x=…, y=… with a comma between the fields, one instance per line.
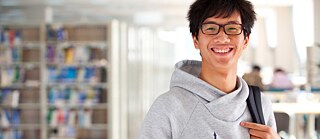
x=256, y=67
x=200, y=10
x=279, y=70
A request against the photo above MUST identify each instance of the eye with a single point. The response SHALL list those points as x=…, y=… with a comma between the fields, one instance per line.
x=232, y=29
x=211, y=29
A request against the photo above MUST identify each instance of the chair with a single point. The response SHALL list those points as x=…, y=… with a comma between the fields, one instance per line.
x=282, y=121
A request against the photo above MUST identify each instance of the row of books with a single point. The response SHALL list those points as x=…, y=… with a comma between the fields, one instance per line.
x=68, y=55
x=56, y=33
x=9, y=118
x=70, y=117
x=10, y=55
x=9, y=37
x=62, y=132
x=9, y=97
x=15, y=54
x=76, y=74
x=11, y=75
x=74, y=54
x=11, y=134
x=73, y=97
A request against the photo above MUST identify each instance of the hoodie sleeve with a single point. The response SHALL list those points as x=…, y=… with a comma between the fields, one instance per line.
x=156, y=124
x=268, y=112
x=272, y=122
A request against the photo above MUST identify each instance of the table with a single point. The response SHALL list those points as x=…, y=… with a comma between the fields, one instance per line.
x=309, y=108
x=297, y=107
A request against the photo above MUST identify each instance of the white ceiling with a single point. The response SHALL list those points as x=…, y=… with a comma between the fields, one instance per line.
x=165, y=12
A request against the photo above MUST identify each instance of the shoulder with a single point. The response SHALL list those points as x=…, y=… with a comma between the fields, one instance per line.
x=268, y=111
x=169, y=113
x=266, y=103
x=176, y=99
x=245, y=75
x=175, y=105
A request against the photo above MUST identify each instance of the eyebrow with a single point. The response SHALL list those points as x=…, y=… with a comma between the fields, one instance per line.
x=212, y=22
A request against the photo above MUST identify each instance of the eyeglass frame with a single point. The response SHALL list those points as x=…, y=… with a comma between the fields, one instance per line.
x=222, y=26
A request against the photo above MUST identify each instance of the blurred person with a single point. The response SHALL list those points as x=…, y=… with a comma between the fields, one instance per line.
x=253, y=77
x=280, y=80
x=207, y=100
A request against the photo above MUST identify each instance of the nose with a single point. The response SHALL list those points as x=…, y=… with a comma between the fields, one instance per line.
x=221, y=37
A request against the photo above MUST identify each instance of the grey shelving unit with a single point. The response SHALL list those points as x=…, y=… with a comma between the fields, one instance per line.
x=20, y=83
x=64, y=90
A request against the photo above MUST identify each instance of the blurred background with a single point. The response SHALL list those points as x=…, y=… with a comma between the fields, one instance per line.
x=90, y=69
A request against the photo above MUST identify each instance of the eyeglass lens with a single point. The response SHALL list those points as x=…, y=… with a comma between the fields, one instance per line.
x=213, y=29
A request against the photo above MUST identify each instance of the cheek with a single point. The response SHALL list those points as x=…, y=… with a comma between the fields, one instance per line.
x=204, y=41
x=201, y=43
x=240, y=43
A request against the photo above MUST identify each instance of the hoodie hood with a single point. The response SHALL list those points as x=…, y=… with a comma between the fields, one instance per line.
x=226, y=107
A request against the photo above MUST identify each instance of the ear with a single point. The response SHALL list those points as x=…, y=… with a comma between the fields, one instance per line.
x=246, y=42
x=195, y=42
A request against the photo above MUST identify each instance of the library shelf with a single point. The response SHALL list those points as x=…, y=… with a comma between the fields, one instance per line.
x=46, y=63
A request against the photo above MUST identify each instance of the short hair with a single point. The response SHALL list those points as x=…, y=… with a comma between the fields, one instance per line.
x=200, y=10
x=278, y=70
x=256, y=67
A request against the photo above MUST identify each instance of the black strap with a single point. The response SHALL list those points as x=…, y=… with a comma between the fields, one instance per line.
x=254, y=105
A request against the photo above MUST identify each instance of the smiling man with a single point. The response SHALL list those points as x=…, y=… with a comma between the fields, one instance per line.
x=207, y=100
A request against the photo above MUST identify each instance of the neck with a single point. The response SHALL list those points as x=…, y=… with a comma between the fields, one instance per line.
x=224, y=80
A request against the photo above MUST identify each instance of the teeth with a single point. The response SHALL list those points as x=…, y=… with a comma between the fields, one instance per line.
x=221, y=50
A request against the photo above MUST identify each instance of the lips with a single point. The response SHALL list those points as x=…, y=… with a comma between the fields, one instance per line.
x=221, y=50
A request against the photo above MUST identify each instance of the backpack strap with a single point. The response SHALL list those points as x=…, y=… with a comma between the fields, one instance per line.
x=254, y=104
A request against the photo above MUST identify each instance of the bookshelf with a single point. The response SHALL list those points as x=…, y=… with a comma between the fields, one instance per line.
x=76, y=65
x=20, y=82
x=53, y=81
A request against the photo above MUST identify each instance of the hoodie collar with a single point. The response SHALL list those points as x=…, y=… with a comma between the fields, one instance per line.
x=186, y=76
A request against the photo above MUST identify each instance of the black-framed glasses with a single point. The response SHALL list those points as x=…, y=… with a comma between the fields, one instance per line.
x=214, y=28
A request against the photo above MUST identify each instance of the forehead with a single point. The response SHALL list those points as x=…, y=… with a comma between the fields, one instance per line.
x=234, y=17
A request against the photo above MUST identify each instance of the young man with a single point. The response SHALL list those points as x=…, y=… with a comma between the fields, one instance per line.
x=206, y=99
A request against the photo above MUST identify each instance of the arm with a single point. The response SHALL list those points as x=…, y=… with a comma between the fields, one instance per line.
x=156, y=124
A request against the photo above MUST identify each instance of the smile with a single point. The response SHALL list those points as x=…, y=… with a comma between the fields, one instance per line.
x=221, y=51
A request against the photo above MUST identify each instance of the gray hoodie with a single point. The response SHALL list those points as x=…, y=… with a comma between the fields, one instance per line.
x=193, y=109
